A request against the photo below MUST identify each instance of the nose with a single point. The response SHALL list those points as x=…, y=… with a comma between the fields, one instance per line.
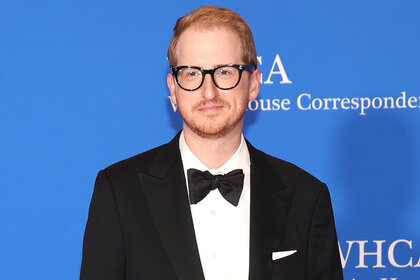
x=209, y=89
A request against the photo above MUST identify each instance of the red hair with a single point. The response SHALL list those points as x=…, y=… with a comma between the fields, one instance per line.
x=208, y=17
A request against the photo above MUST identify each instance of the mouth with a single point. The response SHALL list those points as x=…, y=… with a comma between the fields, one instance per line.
x=210, y=108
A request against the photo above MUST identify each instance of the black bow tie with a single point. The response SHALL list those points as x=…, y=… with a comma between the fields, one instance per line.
x=201, y=183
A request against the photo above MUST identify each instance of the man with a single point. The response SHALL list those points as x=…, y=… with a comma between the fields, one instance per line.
x=170, y=213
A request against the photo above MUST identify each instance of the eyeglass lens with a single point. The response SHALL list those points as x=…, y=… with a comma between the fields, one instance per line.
x=224, y=77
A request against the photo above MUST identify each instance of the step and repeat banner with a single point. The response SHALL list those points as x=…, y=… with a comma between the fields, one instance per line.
x=83, y=85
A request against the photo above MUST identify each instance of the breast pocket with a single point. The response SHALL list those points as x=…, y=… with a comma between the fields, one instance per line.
x=286, y=268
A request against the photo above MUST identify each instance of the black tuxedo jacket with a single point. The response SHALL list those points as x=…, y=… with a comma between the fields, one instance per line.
x=140, y=225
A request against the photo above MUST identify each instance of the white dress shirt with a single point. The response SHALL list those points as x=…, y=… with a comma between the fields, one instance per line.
x=221, y=229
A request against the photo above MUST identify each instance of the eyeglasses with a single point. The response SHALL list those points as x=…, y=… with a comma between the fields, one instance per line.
x=225, y=77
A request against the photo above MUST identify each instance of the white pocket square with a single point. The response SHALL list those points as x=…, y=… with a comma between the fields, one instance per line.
x=282, y=254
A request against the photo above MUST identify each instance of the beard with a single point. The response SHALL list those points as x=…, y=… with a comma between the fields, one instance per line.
x=211, y=126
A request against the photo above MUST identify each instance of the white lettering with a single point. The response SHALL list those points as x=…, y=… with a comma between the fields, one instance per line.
x=276, y=104
x=418, y=263
x=378, y=253
x=317, y=106
x=326, y=100
x=335, y=100
x=285, y=104
x=403, y=100
x=412, y=100
x=377, y=100
x=364, y=106
x=299, y=101
x=281, y=72
x=344, y=260
x=391, y=256
x=174, y=107
x=267, y=103
x=251, y=107
x=355, y=103
x=386, y=99
x=259, y=59
x=344, y=103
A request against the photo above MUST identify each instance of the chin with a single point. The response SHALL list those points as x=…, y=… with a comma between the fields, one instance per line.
x=212, y=126
x=210, y=133
x=213, y=131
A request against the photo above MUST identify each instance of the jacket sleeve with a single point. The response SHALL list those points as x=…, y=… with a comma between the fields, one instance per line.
x=323, y=254
x=103, y=255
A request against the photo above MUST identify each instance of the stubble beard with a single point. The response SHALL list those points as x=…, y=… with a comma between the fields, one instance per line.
x=208, y=126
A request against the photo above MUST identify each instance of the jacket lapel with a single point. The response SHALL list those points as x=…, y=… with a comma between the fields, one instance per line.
x=165, y=190
x=269, y=207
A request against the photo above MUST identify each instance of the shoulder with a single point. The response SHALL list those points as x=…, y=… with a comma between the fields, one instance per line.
x=136, y=163
x=158, y=158
x=289, y=173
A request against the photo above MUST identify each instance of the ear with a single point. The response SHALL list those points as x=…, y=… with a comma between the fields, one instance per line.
x=254, y=84
x=170, y=81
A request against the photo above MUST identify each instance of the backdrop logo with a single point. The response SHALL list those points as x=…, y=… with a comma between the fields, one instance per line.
x=380, y=255
x=309, y=103
x=277, y=68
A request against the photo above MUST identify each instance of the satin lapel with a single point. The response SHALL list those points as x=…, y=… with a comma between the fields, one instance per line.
x=270, y=200
x=165, y=190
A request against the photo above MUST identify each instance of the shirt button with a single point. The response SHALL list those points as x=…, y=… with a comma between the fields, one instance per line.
x=214, y=255
x=213, y=212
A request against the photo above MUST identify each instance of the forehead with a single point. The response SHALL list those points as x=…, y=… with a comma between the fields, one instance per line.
x=208, y=47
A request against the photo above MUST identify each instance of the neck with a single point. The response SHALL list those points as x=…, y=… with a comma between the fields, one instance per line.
x=213, y=152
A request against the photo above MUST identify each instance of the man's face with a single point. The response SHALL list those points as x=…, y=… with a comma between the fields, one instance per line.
x=208, y=111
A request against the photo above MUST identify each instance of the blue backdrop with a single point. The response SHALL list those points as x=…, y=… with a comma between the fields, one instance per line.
x=83, y=85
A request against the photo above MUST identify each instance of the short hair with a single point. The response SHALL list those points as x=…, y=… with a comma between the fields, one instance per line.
x=211, y=16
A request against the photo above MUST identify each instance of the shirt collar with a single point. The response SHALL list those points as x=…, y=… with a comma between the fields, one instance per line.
x=239, y=160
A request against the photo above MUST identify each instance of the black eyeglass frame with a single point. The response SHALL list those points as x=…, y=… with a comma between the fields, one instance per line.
x=204, y=72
